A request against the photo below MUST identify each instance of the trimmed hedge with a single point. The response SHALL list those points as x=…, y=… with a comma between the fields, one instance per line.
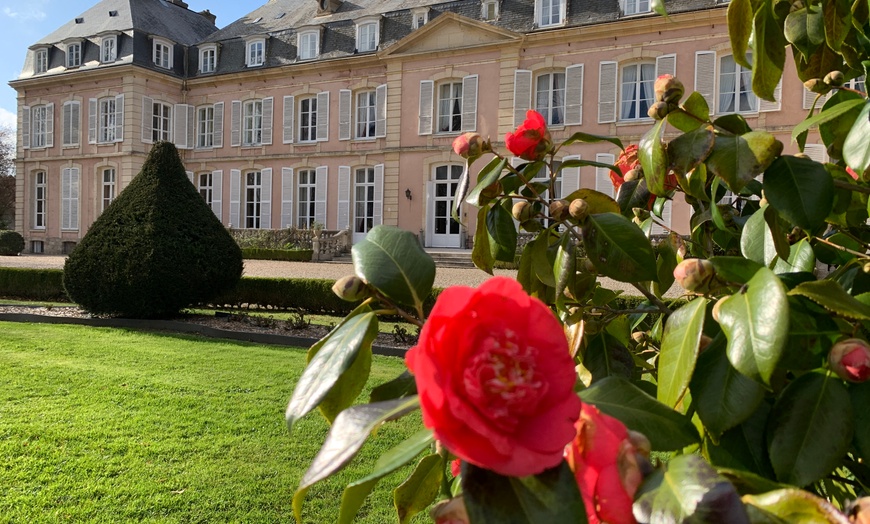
x=291, y=255
x=32, y=284
x=11, y=243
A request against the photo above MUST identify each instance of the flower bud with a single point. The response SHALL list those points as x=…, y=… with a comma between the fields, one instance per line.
x=859, y=511
x=696, y=275
x=668, y=89
x=350, y=288
x=471, y=146
x=633, y=174
x=658, y=111
x=640, y=442
x=523, y=211
x=559, y=210
x=638, y=336
x=850, y=359
x=579, y=209
x=835, y=78
x=816, y=85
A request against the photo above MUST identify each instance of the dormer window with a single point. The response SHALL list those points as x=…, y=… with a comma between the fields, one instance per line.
x=419, y=17
x=367, y=35
x=309, y=45
x=634, y=7
x=108, y=49
x=74, y=55
x=41, y=61
x=550, y=13
x=208, y=59
x=489, y=10
x=162, y=53
x=256, y=52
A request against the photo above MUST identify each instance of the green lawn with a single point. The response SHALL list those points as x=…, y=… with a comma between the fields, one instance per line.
x=106, y=425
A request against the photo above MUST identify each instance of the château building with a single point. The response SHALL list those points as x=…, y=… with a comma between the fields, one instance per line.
x=342, y=113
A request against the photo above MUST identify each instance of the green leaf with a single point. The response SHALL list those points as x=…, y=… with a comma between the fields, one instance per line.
x=350, y=384
x=796, y=32
x=715, y=211
x=654, y=158
x=618, y=249
x=755, y=320
x=829, y=255
x=632, y=194
x=502, y=233
x=355, y=494
x=800, y=258
x=345, y=438
x=739, y=29
x=756, y=240
x=679, y=351
x=769, y=58
x=666, y=262
x=855, y=150
x=735, y=269
x=831, y=296
x=796, y=506
x=597, y=201
x=402, y=386
x=838, y=22
x=749, y=483
x=605, y=356
x=551, y=496
x=740, y=158
x=733, y=123
x=329, y=359
x=487, y=177
x=694, y=114
x=723, y=397
x=666, y=429
x=777, y=232
x=420, y=489
x=801, y=189
x=810, y=429
x=480, y=253
x=565, y=265
x=744, y=446
x=391, y=260
x=689, y=150
x=860, y=395
x=586, y=137
x=829, y=114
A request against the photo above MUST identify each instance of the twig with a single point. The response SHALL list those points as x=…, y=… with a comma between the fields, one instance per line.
x=652, y=298
x=837, y=246
x=840, y=184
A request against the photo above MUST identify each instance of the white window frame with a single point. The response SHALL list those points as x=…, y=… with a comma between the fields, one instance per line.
x=255, y=52
x=253, y=198
x=71, y=122
x=252, y=123
x=70, y=200
x=161, y=53
x=39, y=126
x=308, y=45
x=40, y=199
x=161, y=121
x=740, y=72
x=635, y=7
x=306, y=186
x=308, y=119
x=208, y=59
x=550, y=13
x=366, y=114
x=368, y=184
x=40, y=60
x=110, y=181
x=107, y=119
x=419, y=17
x=368, y=33
x=73, y=55
x=108, y=49
x=485, y=8
x=205, y=127
x=205, y=187
x=636, y=100
x=554, y=114
x=453, y=116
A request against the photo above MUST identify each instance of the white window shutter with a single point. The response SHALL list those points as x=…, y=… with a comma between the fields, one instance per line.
x=218, y=137
x=217, y=193
x=119, y=118
x=268, y=109
x=189, y=176
x=381, y=111
x=320, y=194
x=236, y=124
x=766, y=106
x=574, y=95
x=603, y=184
x=266, y=199
x=49, y=125
x=469, y=103
x=179, y=127
x=191, y=126
x=25, y=127
x=74, y=197
x=344, y=114
x=705, y=77
x=570, y=177
x=288, y=119
x=343, y=197
x=378, y=212
x=147, y=119
x=92, y=121
x=323, y=116
x=286, y=197
x=522, y=95
x=666, y=65
x=817, y=152
x=427, y=88
x=75, y=123
x=607, y=91
x=66, y=123
x=235, y=198
x=65, y=194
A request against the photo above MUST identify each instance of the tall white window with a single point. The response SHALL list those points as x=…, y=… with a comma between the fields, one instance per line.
x=857, y=84
x=735, y=87
x=309, y=45
x=205, y=127
x=256, y=53
x=207, y=60
x=206, y=187
x=252, y=129
x=161, y=121
x=74, y=55
x=253, y=198
x=364, y=200
x=550, y=98
x=366, y=102
x=69, y=198
x=40, y=199
x=633, y=7
x=450, y=107
x=551, y=12
x=40, y=119
x=108, y=116
x=41, y=64
x=636, y=94
x=308, y=119
x=108, y=49
x=305, y=192
x=71, y=122
x=367, y=36
x=489, y=9
x=162, y=54
x=108, y=187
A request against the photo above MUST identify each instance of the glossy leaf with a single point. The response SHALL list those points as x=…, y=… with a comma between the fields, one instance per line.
x=586, y=137
x=830, y=113
x=695, y=183
x=460, y=192
x=801, y=189
x=744, y=446
x=740, y=28
x=420, y=489
x=502, y=233
x=796, y=506
x=350, y=384
x=831, y=296
x=481, y=254
x=605, y=356
x=755, y=320
x=715, y=210
x=666, y=429
x=391, y=260
x=769, y=59
x=800, y=258
x=693, y=115
x=736, y=270
x=830, y=255
x=855, y=150
x=654, y=158
x=838, y=22
x=402, y=386
x=795, y=31
x=355, y=494
x=810, y=429
x=756, y=240
x=487, y=177
x=618, y=249
x=597, y=201
x=777, y=232
x=632, y=194
x=689, y=150
x=679, y=351
x=666, y=262
x=330, y=358
x=749, y=483
x=551, y=496
x=565, y=265
x=740, y=158
x=860, y=395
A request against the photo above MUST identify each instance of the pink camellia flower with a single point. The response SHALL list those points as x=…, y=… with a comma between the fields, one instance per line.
x=531, y=140
x=850, y=359
x=471, y=146
x=852, y=173
x=456, y=467
x=627, y=161
x=604, y=461
x=495, y=378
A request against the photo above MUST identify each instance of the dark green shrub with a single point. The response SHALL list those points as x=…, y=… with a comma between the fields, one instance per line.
x=11, y=243
x=293, y=255
x=32, y=284
x=155, y=250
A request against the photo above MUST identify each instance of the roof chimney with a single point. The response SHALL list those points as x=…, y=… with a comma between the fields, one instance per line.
x=209, y=16
x=328, y=6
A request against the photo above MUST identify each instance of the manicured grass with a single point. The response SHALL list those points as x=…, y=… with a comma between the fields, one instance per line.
x=107, y=425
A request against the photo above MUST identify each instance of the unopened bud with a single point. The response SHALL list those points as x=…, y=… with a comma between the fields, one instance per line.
x=696, y=275
x=633, y=174
x=668, y=89
x=835, y=78
x=850, y=359
x=559, y=210
x=640, y=442
x=867, y=267
x=490, y=192
x=523, y=211
x=638, y=336
x=859, y=511
x=816, y=85
x=678, y=245
x=350, y=288
x=579, y=209
x=658, y=111
x=802, y=155
x=471, y=146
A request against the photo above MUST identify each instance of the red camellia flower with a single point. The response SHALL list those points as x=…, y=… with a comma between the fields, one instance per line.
x=850, y=359
x=495, y=378
x=627, y=161
x=604, y=462
x=531, y=141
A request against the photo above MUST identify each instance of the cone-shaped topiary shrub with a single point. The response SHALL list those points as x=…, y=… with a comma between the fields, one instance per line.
x=11, y=243
x=157, y=249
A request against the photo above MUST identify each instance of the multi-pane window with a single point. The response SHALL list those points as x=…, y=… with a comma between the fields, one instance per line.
x=636, y=93
x=550, y=98
x=253, y=198
x=489, y=11
x=108, y=187
x=308, y=119
x=69, y=198
x=633, y=7
x=857, y=84
x=365, y=114
x=161, y=120
x=109, y=49
x=450, y=107
x=367, y=37
x=71, y=121
x=106, y=119
x=252, y=128
x=364, y=200
x=309, y=44
x=735, y=87
x=305, y=191
x=420, y=17
x=206, y=187
x=256, y=50
x=207, y=60
x=162, y=54
x=205, y=127
x=550, y=12
x=74, y=55
x=40, y=199
x=41, y=65
x=39, y=118
x=446, y=183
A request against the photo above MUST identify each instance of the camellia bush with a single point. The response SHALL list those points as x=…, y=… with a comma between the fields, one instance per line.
x=745, y=400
